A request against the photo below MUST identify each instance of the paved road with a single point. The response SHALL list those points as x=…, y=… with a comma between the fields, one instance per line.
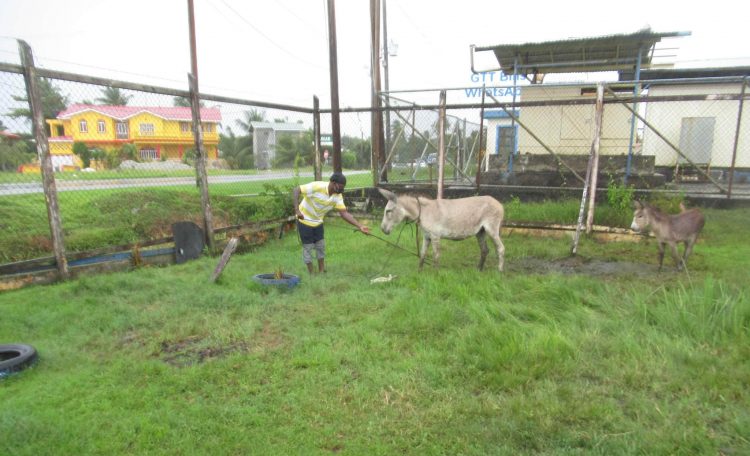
x=74, y=185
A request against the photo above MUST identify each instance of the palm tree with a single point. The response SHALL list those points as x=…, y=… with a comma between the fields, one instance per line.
x=182, y=102
x=53, y=101
x=253, y=115
x=113, y=97
x=236, y=150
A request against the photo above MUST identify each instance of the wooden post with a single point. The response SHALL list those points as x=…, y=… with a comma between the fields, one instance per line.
x=45, y=160
x=200, y=151
x=200, y=164
x=595, y=155
x=316, y=139
x=228, y=251
x=441, y=145
x=334, y=79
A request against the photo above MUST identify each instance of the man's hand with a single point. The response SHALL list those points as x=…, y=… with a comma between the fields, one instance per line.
x=364, y=229
x=300, y=215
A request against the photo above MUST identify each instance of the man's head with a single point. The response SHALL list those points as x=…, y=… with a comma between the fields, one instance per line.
x=337, y=183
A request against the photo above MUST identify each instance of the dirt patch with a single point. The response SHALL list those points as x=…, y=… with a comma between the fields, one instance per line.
x=193, y=350
x=196, y=349
x=579, y=265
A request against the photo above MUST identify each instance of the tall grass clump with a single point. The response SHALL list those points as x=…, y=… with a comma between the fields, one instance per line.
x=705, y=313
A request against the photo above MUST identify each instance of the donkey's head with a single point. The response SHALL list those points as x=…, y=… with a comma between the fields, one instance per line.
x=394, y=213
x=641, y=217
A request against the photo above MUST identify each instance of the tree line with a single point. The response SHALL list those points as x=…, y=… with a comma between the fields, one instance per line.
x=235, y=147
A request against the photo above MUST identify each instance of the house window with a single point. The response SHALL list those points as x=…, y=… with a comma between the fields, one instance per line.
x=148, y=154
x=83, y=126
x=185, y=127
x=207, y=128
x=101, y=126
x=147, y=129
x=122, y=130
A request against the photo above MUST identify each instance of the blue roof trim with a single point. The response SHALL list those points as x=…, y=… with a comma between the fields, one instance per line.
x=500, y=114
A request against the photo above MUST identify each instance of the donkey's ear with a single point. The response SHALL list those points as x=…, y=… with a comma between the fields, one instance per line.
x=389, y=195
x=637, y=204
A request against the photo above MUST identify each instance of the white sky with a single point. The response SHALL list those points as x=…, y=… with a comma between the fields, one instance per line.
x=277, y=50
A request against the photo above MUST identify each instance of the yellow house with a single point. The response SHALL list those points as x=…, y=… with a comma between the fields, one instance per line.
x=157, y=133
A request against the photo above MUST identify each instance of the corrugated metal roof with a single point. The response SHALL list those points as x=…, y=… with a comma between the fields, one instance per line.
x=605, y=53
x=686, y=73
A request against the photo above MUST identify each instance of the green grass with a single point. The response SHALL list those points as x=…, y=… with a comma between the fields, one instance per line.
x=449, y=361
x=99, y=218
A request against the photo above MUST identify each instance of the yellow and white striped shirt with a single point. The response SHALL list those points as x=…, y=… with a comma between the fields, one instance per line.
x=316, y=202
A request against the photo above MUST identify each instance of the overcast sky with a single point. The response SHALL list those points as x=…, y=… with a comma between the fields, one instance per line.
x=277, y=51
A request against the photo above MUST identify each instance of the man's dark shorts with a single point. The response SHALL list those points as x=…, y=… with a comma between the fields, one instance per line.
x=308, y=234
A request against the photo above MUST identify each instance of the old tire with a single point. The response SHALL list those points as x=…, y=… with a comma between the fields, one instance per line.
x=286, y=280
x=15, y=357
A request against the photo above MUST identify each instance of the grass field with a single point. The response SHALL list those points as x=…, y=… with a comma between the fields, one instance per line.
x=619, y=360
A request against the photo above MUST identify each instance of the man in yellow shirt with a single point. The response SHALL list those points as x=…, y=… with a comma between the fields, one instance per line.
x=318, y=198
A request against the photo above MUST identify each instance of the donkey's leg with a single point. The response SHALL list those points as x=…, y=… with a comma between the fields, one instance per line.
x=436, y=252
x=423, y=250
x=661, y=254
x=495, y=235
x=675, y=255
x=688, y=250
x=483, y=249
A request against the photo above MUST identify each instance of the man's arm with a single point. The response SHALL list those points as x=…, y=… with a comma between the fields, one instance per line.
x=350, y=218
x=295, y=200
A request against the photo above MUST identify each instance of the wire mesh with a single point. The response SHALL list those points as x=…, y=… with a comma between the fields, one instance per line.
x=125, y=161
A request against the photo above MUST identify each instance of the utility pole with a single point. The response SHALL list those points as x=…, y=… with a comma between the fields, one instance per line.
x=334, y=76
x=385, y=74
x=376, y=133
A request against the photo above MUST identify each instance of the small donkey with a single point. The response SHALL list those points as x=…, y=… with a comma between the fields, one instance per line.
x=670, y=229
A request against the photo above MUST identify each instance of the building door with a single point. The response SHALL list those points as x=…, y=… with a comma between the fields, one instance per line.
x=697, y=139
x=505, y=143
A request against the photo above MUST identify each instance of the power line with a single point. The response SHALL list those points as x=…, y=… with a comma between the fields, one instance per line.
x=267, y=38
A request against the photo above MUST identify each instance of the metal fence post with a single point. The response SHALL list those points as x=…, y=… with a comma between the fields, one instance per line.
x=598, y=119
x=736, y=138
x=441, y=146
x=45, y=160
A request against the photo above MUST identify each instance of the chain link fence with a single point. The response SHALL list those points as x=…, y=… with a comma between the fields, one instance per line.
x=125, y=161
x=672, y=133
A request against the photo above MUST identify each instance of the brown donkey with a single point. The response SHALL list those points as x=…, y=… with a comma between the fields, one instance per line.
x=670, y=229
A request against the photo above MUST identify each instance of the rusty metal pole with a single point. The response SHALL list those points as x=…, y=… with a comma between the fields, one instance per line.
x=200, y=151
x=481, y=154
x=45, y=160
x=441, y=146
x=334, y=77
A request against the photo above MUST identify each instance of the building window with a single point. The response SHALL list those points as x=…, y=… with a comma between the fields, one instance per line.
x=101, y=126
x=83, y=126
x=185, y=127
x=147, y=129
x=122, y=130
x=207, y=128
x=148, y=154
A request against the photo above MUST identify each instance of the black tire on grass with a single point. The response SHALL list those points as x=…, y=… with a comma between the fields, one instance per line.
x=15, y=357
